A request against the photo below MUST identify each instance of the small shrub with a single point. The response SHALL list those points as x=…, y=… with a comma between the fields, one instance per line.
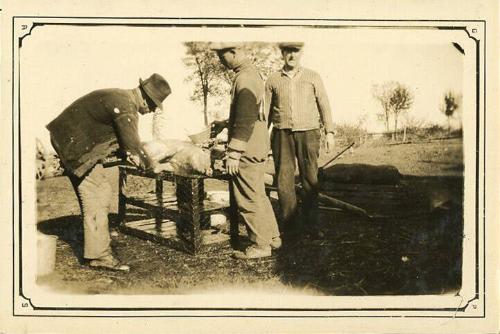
x=345, y=134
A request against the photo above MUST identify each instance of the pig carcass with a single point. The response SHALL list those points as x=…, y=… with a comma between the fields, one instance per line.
x=180, y=157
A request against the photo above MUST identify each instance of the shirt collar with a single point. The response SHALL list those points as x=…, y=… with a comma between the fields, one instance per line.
x=138, y=99
x=299, y=70
x=137, y=96
x=244, y=65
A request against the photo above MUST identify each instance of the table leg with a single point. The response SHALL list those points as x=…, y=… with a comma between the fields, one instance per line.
x=190, y=197
x=122, y=204
x=159, y=202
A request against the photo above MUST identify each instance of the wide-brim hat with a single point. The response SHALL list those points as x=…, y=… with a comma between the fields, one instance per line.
x=157, y=88
x=291, y=45
x=219, y=46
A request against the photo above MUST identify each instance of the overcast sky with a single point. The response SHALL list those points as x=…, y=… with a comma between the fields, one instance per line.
x=61, y=63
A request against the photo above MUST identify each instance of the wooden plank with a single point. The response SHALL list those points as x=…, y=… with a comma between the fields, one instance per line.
x=209, y=206
x=155, y=227
x=143, y=224
x=151, y=205
x=150, y=228
x=152, y=200
x=152, y=197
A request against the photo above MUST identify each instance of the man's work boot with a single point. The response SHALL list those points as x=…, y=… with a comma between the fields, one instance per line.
x=108, y=263
x=253, y=252
x=276, y=243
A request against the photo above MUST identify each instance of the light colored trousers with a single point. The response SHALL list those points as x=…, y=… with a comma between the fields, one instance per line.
x=94, y=196
x=248, y=193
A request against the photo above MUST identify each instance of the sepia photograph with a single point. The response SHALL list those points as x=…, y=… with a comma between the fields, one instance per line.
x=248, y=167
x=293, y=164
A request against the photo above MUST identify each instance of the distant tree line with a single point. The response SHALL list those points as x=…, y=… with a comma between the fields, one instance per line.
x=396, y=100
x=212, y=84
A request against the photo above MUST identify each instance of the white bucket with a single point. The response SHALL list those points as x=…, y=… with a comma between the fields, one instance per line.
x=217, y=219
x=46, y=254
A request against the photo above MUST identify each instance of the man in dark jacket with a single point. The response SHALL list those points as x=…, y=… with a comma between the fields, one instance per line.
x=247, y=152
x=95, y=126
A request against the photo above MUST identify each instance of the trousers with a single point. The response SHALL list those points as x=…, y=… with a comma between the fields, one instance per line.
x=287, y=146
x=248, y=197
x=94, y=194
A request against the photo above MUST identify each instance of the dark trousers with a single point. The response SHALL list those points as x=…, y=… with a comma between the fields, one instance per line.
x=287, y=146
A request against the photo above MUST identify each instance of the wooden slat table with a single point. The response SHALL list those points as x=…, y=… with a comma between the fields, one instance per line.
x=181, y=221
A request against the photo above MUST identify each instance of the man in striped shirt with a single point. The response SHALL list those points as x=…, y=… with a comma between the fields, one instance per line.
x=297, y=102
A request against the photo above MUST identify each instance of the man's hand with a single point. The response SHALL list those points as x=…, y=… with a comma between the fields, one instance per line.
x=330, y=142
x=232, y=166
x=133, y=159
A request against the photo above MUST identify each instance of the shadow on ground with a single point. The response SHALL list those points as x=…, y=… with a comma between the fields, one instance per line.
x=412, y=246
x=69, y=229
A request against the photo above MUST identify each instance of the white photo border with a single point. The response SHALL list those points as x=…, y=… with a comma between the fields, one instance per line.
x=473, y=306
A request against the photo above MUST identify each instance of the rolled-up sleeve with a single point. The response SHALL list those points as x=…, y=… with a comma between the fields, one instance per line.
x=323, y=104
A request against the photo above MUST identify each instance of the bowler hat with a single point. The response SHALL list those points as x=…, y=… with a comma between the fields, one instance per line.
x=291, y=45
x=157, y=88
x=217, y=46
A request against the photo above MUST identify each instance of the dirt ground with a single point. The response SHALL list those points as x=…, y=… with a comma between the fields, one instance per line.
x=412, y=246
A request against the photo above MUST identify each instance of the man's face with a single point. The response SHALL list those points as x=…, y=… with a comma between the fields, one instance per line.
x=150, y=106
x=227, y=57
x=292, y=57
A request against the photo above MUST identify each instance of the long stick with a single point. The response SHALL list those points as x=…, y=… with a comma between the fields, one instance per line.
x=338, y=155
x=342, y=205
x=334, y=202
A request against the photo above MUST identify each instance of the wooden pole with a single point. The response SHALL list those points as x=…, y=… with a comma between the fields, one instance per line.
x=343, y=205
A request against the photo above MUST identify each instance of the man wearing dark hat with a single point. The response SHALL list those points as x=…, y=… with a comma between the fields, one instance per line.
x=297, y=102
x=92, y=128
x=247, y=152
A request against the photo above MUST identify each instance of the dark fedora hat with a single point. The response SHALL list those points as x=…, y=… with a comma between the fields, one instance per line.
x=157, y=88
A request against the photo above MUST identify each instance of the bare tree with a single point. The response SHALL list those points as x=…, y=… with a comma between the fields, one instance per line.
x=401, y=100
x=382, y=93
x=210, y=78
x=450, y=104
x=394, y=98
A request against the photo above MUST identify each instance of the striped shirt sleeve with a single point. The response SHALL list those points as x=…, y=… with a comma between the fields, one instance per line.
x=323, y=104
x=268, y=95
